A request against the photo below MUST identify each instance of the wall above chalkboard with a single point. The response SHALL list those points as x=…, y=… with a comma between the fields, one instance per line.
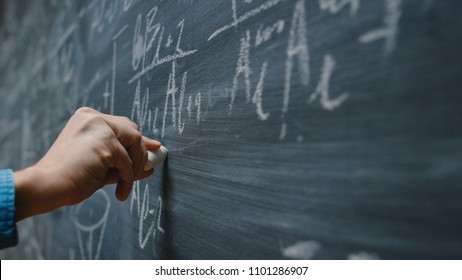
x=297, y=129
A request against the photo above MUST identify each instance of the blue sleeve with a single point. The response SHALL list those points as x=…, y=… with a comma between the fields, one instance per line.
x=8, y=234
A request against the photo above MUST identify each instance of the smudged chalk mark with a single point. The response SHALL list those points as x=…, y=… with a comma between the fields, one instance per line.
x=363, y=256
x=303, y=250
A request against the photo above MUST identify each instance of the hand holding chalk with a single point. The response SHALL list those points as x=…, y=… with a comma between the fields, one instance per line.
x=155, y=158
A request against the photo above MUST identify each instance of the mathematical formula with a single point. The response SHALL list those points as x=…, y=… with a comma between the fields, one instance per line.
x=150, y=48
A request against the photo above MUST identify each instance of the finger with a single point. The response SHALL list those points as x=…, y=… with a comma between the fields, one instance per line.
x=112, y=176
x=151, y=144
x=124, y=166
x=138, y=154
x=128, y=134
x=145, y=174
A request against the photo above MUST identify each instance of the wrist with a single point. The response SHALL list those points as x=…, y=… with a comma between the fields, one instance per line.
x=34, y=193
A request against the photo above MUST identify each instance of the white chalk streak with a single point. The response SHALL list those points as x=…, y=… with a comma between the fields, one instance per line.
x=335, y=6
x=189, y=108
x=264, y=35
x=297, y=46
x=322, y=90
x=197, y=103
x=263, y=7
x=59, y=44
x=143, y=235
x=90, y=237
x=182, y=148
x=303, y=250
x=180, y=108
x=171, y=92
x=242, y=67
x=165, y=59
x=389, y=31
x=363, y=256
x=258, y=95
x=154, y=129
x=62, y=39
x=121, y=31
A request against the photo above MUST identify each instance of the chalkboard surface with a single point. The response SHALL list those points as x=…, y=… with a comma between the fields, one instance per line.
x=327, y=129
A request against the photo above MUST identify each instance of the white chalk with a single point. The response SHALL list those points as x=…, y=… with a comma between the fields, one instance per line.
x=155, y=158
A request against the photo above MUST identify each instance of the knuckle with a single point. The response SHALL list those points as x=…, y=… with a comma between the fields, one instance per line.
x=84, y=110
x=95, y=120
x=137, y=137
x=125, y=119
x=128, y=121
x=107, y=157
x=86, y=117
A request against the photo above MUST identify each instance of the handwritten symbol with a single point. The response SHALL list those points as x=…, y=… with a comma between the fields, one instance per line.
x=147, y=216
x=90, y=219
x=322, y=90
x=389, y=31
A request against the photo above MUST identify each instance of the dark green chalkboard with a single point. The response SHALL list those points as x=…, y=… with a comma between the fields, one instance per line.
x=301, y=129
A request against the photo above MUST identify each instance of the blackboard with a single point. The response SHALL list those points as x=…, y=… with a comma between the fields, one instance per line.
x=301, y=129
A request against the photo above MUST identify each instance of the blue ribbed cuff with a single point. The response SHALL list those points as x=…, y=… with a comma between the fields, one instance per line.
x=8, y=235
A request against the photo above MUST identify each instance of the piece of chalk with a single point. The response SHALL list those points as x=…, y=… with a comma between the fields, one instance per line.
x=155, y=158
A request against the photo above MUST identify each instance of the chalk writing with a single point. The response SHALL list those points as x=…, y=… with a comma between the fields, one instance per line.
x=102, y=14
x=33, y=239
x=242, y=67
x=322, y=90
x=138, y=44
x=142, y=46
x=258, y=95
x=263, y=7
x=140, y=107
x=182, y=91
x=335, y=6
x=147, y=215
x=66, y=60
x=127, y=4
x=185, y=147
x=61, y=40
x=120, y=32
x=170, y=95
x=389, y=31
x=90, y=234
x=154, y=122
x=176, y=113
x=297, y=47
x=265, y=34
x=106, y=94
x=197, y=104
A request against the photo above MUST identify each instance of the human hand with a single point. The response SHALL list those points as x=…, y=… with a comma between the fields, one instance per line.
x=92, y=150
